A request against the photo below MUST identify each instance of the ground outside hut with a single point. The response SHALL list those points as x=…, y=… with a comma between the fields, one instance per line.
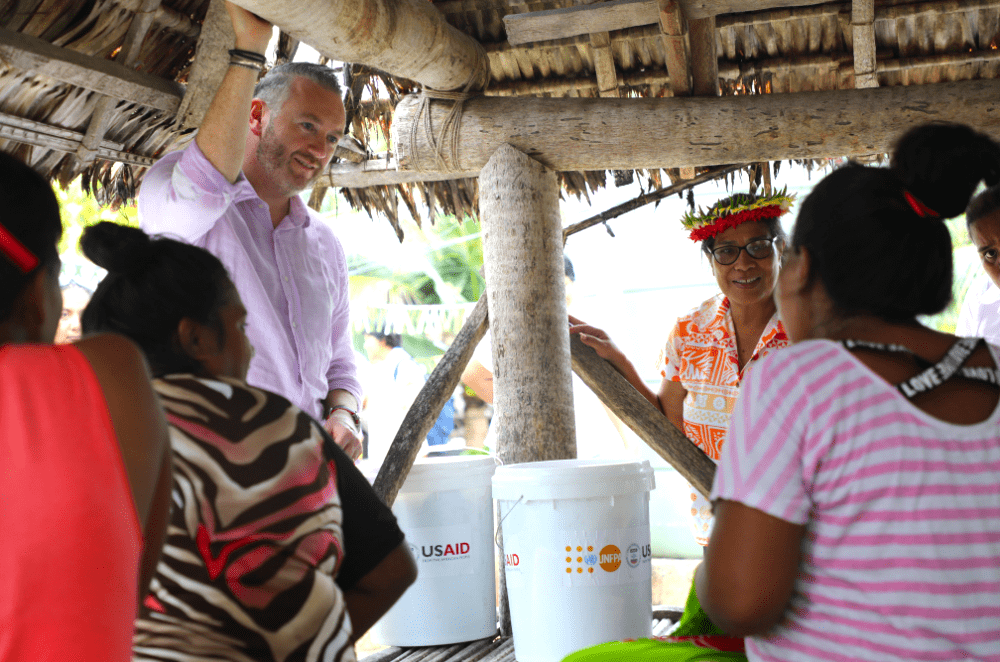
x=496, y=109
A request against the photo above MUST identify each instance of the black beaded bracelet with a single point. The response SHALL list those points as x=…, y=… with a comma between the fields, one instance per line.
x=247, y=55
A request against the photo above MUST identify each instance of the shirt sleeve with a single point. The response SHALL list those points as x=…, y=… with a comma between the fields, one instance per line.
x=761, y=463
x=370, y=529
x=342, y=373
x=183, y=195
x=670, y=358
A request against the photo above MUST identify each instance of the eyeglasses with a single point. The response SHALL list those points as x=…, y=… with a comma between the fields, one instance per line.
x=758, y=250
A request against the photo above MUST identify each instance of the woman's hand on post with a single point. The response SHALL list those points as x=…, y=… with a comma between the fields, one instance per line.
x=598, y=340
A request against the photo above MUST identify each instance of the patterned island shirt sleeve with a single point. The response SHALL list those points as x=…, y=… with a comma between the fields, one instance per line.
x=670, y=358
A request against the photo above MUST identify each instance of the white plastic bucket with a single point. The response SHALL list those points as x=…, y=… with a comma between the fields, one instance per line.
x=577, y=555
x=446, y=512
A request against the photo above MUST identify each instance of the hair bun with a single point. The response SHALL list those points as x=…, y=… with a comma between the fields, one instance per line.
x=943, y=164
x=117, y=248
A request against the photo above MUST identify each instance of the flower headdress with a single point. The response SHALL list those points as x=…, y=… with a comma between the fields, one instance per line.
x=739, y=208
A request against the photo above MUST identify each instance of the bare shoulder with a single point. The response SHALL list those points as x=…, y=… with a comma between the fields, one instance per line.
x=114, y=356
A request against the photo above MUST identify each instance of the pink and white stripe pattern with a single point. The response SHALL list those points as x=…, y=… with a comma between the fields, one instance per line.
x=901, y=559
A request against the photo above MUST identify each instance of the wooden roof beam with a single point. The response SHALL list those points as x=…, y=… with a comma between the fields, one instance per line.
x=38, y=57
x=406, y=38
x=608, y=134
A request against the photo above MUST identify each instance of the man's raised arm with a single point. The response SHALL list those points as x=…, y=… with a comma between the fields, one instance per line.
x=223, y=133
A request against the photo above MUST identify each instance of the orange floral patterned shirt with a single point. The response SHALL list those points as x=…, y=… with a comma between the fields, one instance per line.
x=701, y=354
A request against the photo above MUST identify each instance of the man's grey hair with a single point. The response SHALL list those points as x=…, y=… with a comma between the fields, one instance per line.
x=273, y=88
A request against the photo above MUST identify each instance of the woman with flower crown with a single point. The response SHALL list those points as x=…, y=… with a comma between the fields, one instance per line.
x=711, y=349
x=707, y=355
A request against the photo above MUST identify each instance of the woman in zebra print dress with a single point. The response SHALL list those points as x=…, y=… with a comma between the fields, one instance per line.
x=277, y=548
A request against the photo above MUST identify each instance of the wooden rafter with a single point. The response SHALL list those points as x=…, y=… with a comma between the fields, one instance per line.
x=604, y=64
x=672, y=24
x=552, y=24
x=704, y=58
x=63, y=140
x=127, y=56
x=39, y=57
x=863, y=33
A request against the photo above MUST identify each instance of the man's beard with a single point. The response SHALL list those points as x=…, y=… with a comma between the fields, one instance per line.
x=276, y=163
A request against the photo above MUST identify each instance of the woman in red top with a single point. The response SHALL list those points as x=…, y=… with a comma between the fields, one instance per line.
x=84, y=483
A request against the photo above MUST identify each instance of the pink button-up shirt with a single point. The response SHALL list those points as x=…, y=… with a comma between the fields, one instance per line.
x=292, y=279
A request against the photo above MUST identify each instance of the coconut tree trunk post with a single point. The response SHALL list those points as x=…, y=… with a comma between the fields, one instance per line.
x=522, y=251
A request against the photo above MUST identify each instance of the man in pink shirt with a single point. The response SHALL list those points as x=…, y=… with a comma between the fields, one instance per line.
x=233, y=191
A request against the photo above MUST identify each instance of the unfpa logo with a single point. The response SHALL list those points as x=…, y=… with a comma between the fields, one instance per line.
x=610, y=558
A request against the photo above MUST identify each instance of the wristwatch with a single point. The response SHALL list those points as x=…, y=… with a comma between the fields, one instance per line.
x=354, y=414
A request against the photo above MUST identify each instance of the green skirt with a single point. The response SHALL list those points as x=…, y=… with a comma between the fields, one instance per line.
x=696, y=639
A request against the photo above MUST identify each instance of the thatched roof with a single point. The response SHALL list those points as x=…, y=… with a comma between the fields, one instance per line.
x=47, y=109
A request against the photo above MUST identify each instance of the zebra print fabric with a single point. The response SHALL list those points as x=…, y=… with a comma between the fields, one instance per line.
x=255, y=539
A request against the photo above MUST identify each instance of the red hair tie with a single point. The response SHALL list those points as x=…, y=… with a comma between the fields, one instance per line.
x=16, y=252
x=922, y=210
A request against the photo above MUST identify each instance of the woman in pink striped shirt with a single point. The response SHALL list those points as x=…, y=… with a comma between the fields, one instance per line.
x=857, y=499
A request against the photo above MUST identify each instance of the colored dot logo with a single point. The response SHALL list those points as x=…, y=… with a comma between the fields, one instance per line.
x=610, y=558
x=579, y=561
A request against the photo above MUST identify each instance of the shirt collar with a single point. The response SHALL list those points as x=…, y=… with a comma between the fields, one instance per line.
x=298, y=213
x=244, y=189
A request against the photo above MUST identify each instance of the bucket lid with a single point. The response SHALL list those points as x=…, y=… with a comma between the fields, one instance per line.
x=436, y=474
x=572, y=479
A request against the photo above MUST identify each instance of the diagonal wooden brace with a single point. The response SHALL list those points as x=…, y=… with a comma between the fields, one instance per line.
x=644, y=419
x=428, y=405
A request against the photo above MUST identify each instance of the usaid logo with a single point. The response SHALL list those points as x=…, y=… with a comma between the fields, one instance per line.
x=441, y=551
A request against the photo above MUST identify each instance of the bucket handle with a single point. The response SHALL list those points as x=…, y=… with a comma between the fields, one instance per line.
x=496, y=534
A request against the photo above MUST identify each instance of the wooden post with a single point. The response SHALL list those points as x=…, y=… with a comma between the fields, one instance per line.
x=209, y=66
x=522, y=249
